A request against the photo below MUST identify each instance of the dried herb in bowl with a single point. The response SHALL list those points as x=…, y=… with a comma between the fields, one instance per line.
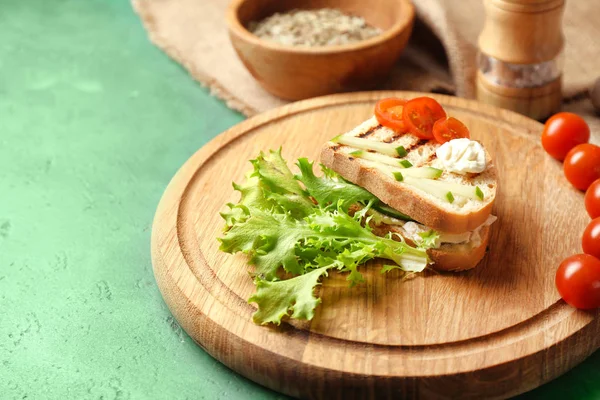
x=313, y=28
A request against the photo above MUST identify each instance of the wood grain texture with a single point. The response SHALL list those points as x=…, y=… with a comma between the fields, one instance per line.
x=492, y=332
x=295, y=73
x=523, y=31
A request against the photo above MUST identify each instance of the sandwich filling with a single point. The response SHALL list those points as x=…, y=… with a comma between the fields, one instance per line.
x=415, y=231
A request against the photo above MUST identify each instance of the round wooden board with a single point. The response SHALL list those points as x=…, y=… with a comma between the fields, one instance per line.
x=495, y=331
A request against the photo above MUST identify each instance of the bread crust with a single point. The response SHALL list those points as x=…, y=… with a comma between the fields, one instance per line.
x=403, y=199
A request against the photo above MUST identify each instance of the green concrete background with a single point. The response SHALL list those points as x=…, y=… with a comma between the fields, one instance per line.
x=94, y=121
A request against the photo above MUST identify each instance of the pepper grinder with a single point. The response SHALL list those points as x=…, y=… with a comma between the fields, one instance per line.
x=520, y=56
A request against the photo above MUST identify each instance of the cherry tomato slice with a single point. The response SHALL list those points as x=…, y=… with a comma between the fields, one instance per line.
x=389, y=113
x=582, y=165
x=420, y=114
x=578, y=281
x=591, y=239
x=562, y=132
x=592, y=199
x=445, y=130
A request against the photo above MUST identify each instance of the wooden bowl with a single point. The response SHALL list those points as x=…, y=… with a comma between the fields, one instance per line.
x=294, y=73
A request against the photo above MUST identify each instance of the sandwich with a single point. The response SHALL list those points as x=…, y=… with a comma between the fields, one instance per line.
x=407, y=188
x=424, y=185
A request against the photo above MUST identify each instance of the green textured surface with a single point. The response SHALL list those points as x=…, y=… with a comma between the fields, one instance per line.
x=94, y=121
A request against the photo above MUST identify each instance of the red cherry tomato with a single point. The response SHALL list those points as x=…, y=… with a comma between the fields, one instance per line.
x=389, y=113
x=582, y=165
x=592, y=199
x=420, y=114
x=562, y=132
x=445, y=130
x=591, y=239
x=578, y=281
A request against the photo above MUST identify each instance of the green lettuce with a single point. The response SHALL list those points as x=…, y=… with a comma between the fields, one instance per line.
x=332, y=189
x=294, y=234
x=275, y=299
x=271, y=241
x=430, y=239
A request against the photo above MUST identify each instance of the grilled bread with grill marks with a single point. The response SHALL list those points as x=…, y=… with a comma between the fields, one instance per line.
x=462, y=215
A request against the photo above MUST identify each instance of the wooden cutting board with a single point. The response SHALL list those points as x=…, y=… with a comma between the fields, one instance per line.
x=495, y=331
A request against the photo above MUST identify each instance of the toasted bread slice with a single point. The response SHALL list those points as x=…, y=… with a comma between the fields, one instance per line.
x=460, y=216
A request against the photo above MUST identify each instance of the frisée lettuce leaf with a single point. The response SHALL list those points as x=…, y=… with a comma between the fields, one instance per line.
x=332, y=188
x=295, y=229
x=276, y=298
